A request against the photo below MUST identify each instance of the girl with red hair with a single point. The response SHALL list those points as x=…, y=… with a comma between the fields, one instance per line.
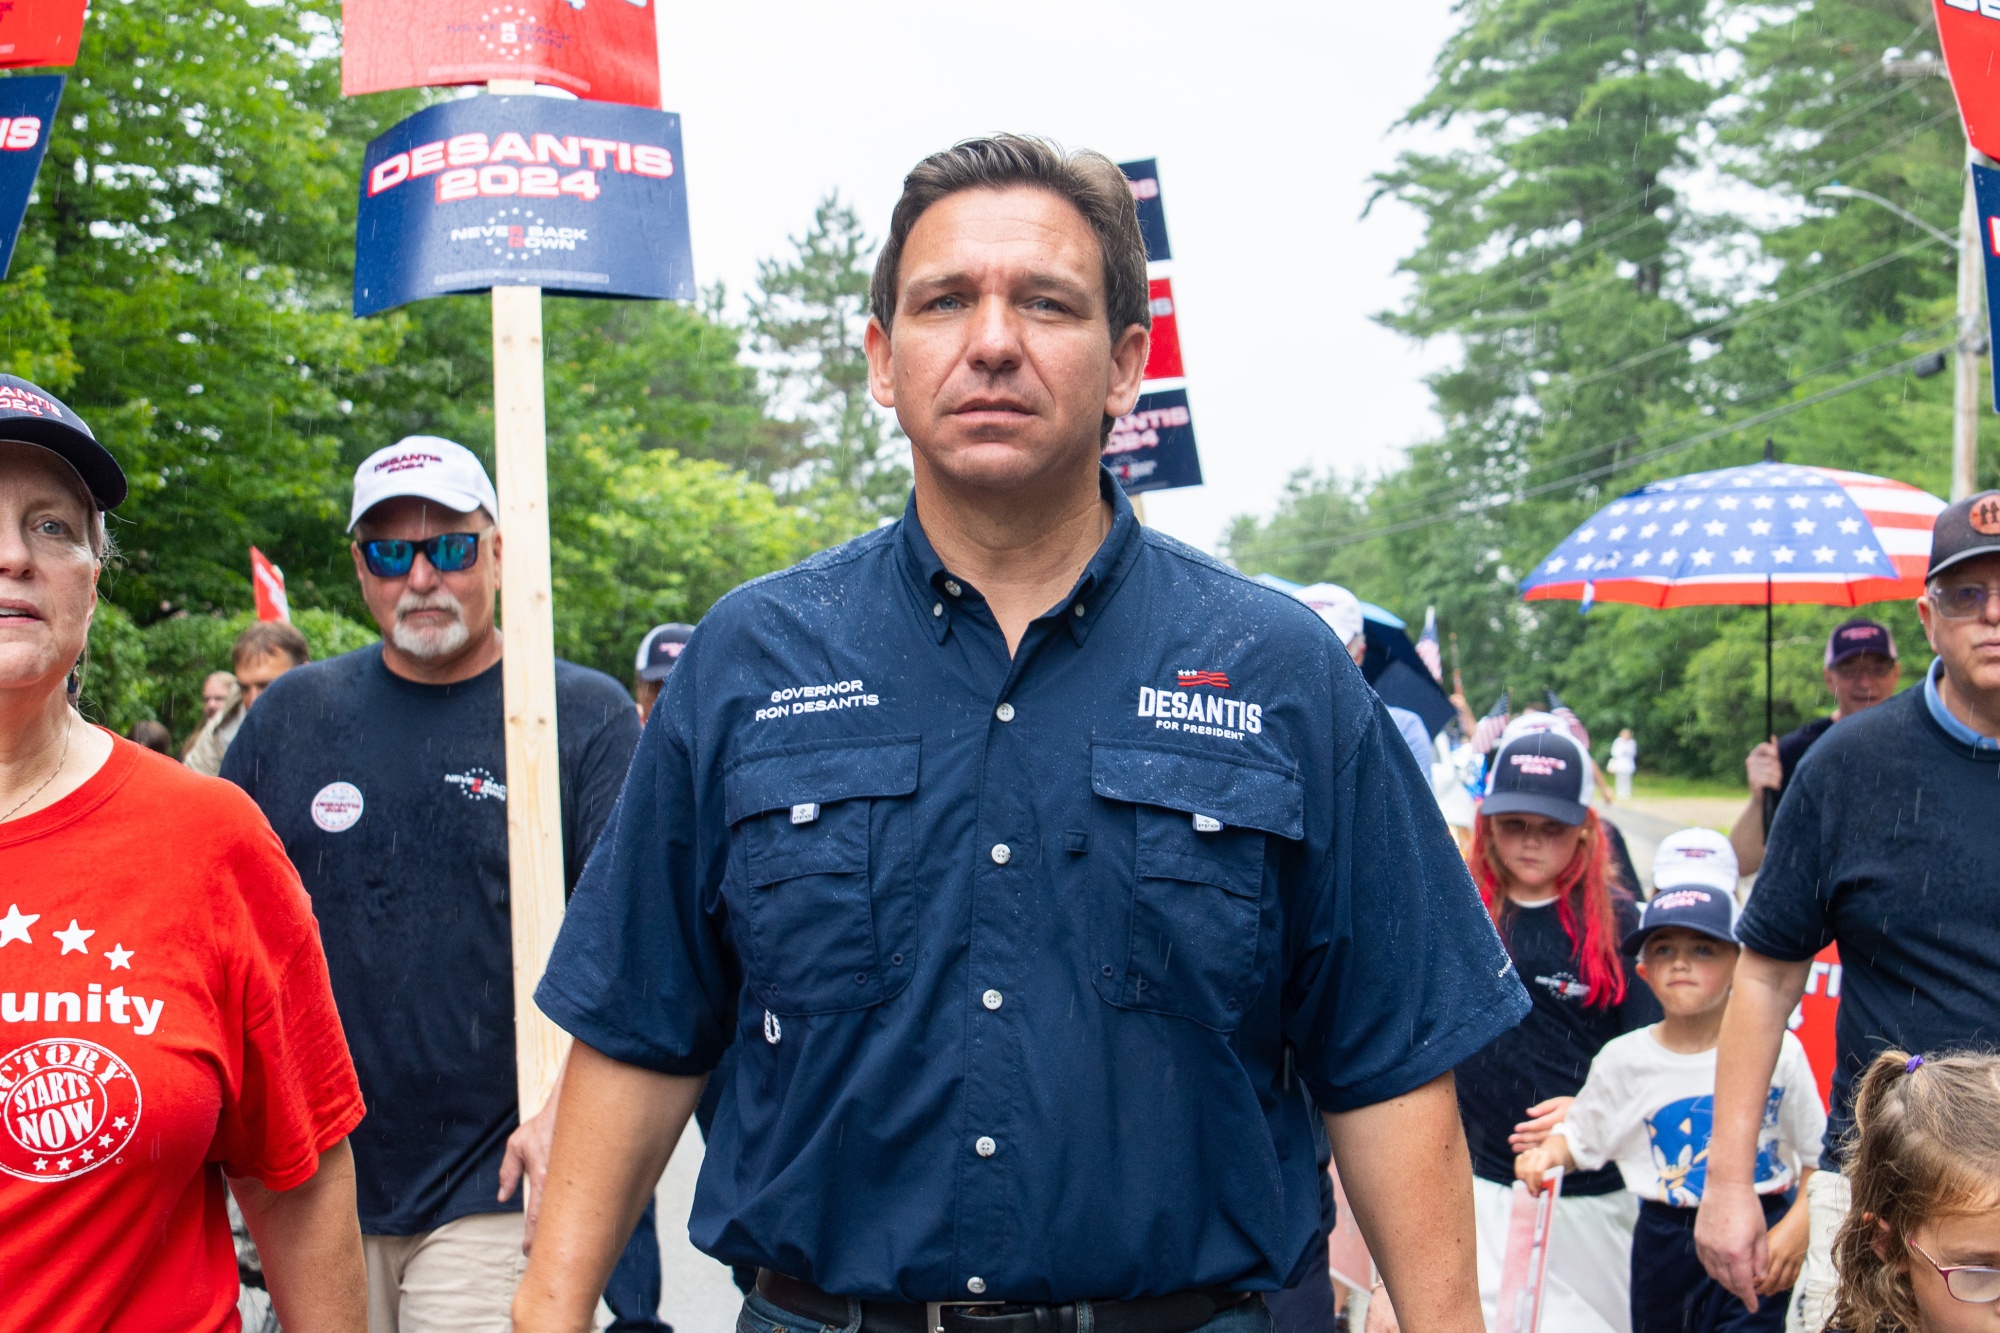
x=1543, y=865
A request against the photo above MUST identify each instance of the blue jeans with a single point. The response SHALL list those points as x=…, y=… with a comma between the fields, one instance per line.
x=760, y=1316
x=633, y=1293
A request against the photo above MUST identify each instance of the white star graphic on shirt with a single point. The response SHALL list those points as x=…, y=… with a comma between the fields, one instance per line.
x=14, y=926
x=73, y=938
x=89, y=1156
x=1742, y=555
x=1823, y=554
x=104, y=1140
x=118, y=1123
x=120, y=956
x=1850, y=526
x=41, y=1164
x=1804, y=527
x=1760, y=528
x=63, y=1164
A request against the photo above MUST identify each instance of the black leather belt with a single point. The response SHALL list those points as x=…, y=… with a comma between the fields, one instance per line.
x=1181, y=1312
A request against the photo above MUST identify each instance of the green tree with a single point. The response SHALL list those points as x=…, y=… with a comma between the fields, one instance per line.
x=809, y=315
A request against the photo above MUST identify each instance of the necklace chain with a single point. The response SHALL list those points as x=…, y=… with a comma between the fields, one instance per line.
x=61, y=759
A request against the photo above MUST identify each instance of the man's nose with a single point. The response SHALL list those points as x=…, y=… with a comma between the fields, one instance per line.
x=995, y=341
x=423, y=574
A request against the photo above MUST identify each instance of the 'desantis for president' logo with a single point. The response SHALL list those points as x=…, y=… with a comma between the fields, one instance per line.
x=68, y=1107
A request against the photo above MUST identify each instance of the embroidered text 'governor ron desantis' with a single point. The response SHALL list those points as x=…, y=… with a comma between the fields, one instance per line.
x=490, y=192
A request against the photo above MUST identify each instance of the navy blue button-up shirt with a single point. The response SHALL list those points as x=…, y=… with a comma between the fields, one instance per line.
x=1024, y=957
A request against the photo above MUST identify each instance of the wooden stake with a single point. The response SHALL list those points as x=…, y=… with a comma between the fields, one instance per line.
x=528, y=682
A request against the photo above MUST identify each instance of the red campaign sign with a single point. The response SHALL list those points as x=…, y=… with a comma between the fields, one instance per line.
x=1812, y=1021
x=1164, y=361
x=1970, y=32
x=604, y=50
x=40, y=32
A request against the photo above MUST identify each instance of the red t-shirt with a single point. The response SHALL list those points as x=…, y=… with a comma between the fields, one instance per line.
x=164, y=1017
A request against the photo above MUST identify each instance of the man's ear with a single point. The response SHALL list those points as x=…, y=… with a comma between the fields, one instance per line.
x=1924, y=613
x=1128, y=369
x=875, y=344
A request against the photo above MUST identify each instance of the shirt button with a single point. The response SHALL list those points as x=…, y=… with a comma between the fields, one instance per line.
x=951, y=586
x=1005, y=712
x=937, y=608
x=1002, y=853
x=1077, y=610
x=975, y=1285
x=991, y=999
x=985, y=1146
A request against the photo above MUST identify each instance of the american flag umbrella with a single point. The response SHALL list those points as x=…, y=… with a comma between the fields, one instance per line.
x=1748, y=536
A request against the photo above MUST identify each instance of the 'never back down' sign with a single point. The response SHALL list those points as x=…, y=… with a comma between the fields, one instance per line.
x=585, y=197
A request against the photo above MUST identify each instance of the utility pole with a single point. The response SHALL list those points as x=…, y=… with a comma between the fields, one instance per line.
x=1971, y=342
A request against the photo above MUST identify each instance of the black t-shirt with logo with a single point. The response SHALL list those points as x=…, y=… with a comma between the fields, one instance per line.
x=391, y=799
x=1549, y=1052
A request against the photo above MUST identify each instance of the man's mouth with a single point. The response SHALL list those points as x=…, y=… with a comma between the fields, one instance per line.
x=17, y=612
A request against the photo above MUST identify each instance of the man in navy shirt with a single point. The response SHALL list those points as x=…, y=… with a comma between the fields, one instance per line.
x=1031, y=862
x=384, y=772
x=1884, y=843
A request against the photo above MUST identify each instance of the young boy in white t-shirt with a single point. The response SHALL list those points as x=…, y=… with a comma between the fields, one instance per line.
x=1650, y=1098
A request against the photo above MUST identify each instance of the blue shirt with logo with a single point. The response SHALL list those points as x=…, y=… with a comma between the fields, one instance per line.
x=1024, y=959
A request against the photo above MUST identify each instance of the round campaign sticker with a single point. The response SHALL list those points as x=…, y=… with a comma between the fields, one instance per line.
x=1985, y=516
x=337, y=807
x=69, y=1107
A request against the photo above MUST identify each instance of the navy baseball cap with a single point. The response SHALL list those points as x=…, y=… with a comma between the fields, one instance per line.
x=1539, y=773
x=660, y=649
x=1964, y=530
x=1851, y=638
x=30, y=415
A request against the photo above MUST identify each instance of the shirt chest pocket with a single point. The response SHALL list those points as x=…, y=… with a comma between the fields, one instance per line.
x=819, y=875
x=1184, y=916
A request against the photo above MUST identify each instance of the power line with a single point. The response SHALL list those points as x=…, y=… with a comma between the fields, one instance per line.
x=1678, y=446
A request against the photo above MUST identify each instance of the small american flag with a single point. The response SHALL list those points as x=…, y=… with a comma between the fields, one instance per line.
x=1427, y=645
x=1213, y=679
x=1486, y=736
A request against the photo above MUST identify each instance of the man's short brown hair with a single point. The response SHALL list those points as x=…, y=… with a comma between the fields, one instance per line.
x=265, y=637
x=1091, y=182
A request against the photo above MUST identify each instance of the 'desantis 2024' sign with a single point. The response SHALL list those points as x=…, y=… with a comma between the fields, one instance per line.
x=487, y=192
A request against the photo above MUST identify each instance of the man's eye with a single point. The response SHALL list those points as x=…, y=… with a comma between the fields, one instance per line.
x=52, y=527
x=947, y=303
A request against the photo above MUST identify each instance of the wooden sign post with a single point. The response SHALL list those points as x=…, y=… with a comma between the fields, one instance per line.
x=528, y=675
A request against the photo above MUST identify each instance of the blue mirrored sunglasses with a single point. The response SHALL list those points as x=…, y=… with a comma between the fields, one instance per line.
x=448, y=553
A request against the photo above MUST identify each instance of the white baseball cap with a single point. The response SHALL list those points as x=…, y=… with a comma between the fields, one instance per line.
x=424, y=466
x=1337, y=606
x=1695, y=857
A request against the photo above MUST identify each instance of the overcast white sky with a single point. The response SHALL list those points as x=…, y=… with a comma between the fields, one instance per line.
x=1267, y=121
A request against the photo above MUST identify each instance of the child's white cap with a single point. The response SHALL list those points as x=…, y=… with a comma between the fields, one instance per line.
x=1695, y=856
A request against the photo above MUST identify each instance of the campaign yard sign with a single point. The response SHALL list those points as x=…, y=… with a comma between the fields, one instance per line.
x=605, y=50
x=40, y=32
x=1969, y=31
x=27, y=111
x=585, y=197
x=1144, y=176
x=1163, y=361
x=1152, y=447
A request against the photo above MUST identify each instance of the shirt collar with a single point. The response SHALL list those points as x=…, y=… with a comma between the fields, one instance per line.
x=941, y=594
x=1945, y=718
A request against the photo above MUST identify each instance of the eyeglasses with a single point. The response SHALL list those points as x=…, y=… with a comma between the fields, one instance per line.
x=448, y=553
x=1961, y=601
x=1974, y=1286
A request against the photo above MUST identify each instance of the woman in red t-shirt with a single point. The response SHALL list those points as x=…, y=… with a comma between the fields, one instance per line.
x=165, y=1017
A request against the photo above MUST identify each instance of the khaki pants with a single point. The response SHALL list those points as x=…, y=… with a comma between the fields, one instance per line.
x=1828, y=1195
x=459, y=1278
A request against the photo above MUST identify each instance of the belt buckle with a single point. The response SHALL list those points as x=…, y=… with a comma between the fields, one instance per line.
x=934, y=1312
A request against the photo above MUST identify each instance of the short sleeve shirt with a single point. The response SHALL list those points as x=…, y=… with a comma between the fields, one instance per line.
x=1024, y=959
x=165, y=1017
x=391, y=797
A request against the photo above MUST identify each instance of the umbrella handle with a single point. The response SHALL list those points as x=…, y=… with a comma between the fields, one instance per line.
x=1770, y=808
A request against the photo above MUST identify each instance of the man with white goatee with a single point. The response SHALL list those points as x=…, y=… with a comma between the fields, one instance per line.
x=384, y=772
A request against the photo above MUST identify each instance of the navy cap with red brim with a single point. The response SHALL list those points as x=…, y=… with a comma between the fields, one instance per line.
x=29, y=415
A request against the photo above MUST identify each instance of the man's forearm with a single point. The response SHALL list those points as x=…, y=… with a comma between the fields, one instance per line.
x=617, y=1127
x=1753, y=1027
x=1746, y=836
x=310, y=1243
x=1408, y=1178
